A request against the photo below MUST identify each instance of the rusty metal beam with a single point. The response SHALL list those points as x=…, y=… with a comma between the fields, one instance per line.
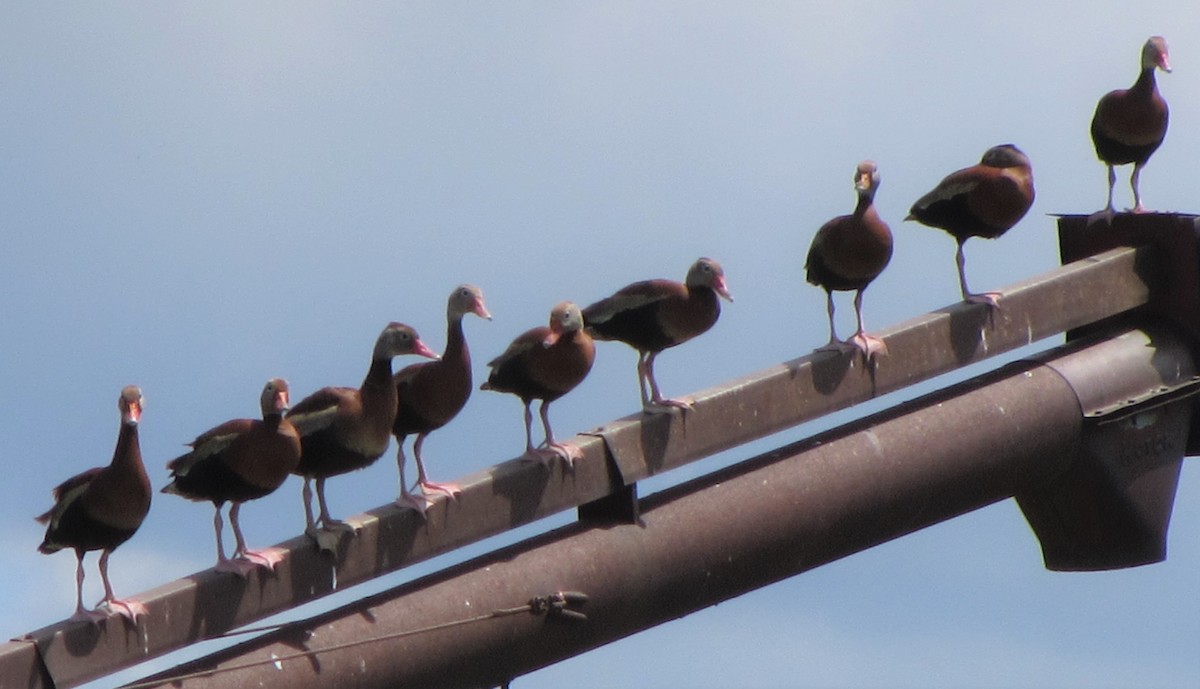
x=766, y=519
x=514, y=493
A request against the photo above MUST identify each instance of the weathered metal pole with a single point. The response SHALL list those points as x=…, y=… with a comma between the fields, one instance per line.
x=1013, y=431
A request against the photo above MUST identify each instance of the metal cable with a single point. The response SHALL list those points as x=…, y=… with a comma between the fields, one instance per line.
x=558, y=604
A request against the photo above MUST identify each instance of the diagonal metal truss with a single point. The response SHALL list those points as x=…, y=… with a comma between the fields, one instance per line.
x=1144, y=264
x=752, y=524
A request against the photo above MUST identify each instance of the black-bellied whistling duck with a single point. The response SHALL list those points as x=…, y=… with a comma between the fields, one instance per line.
x=240, y=460
x=545, y=363
x=849, y=252
x=983, y=200
x=343, y=429
x=1130, y=124
x=431, y=393
x=101, y=508
x=653, y=315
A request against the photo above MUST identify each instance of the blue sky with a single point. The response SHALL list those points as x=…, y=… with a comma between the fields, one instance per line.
x=197, y=197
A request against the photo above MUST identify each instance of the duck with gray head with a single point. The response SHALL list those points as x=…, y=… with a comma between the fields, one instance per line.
x=1130, y=124
x=102, y=508
x=344, y=429
x=431, y=393
x=238, y=461
x=654, y=315
x=545, y=363
x=848, y=253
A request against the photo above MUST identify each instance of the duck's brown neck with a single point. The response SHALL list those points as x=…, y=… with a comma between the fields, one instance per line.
x=456, y=342
x=128, y=453
x=569, y=338
x=380, y=374
x=707, y=301
x=864, y=202
x=1145, y=83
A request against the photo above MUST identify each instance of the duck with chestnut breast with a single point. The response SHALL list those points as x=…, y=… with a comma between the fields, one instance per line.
x=343, y=429
x=1130, y=124
x=102, y=508
x=545, y=363
x=653, y=315
x=240, y=460
x=431, y=393
x=848, y=253
x=984, y=200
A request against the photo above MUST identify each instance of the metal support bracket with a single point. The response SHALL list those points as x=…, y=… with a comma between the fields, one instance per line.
x=1112, y=507
x=1176, y=238
x=621, y=506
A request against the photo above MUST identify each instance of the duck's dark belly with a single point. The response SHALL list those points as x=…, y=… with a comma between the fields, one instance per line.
x=322, y=455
